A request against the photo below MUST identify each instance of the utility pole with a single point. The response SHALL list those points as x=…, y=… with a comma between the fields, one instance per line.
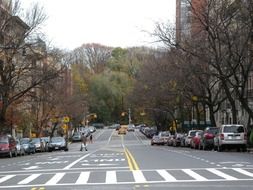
x=129, y=116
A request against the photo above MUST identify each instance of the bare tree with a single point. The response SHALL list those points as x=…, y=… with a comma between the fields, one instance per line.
x=94, y=56
x=221, y=37
x=23, y=58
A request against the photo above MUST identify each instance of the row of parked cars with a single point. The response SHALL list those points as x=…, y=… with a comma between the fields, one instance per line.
x=217, y=138
x=10, y=146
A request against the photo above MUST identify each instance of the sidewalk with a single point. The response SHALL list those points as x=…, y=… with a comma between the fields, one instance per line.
x=250, y=149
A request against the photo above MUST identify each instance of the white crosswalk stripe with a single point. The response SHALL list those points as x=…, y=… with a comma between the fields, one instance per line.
x=54, y=180
x=83, y=178
x=194, y=175
x=29, y=179
x=221, y=174
x=243, y=172
x=166, y=175
x=138, y=176
x=111, y=177
x=5, y=178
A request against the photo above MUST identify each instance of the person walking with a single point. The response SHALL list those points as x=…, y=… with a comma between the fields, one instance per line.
x=83, y=142
x=91, y=138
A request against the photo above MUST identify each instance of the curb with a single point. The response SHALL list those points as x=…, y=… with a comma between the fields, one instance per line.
x=250, y=150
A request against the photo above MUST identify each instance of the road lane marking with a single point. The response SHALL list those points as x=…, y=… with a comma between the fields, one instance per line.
x=194, y=175
x=242, y=171
x=31, y=167
x=129, y=161
x=110, y=138
x=54, y=180
x=29, y=179
x=111, y=177
x=221, y=174
x=138, y=176
x=78, y=160
x=5, y=178
x=166, y=175
x=132, y=160
x=83, y=178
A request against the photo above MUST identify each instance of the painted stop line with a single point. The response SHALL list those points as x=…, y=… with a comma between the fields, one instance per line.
x=106, y=160
x=54, y=162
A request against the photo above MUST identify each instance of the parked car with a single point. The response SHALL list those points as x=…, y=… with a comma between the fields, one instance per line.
x=38, y=144
x=182, y=143
x=170, y=140
x=195, y=141
x=164, y=135
x=20, y=148
x=28, y=145
x=151, y=132
x=8, y=146
x=189, y=136
x=156, y=139
x=92, y=129
x=76, y=136
x=176, y=141
x=45, y=141
x=231, y=136
x=206, y=141
x=58, y=143
x=130, y=127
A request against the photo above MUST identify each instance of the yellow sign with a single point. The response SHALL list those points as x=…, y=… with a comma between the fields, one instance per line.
x=66, y=119
x=65, y=128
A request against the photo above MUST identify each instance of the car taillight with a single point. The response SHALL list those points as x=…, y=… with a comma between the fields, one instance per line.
x=222, y=136
x=209, y=136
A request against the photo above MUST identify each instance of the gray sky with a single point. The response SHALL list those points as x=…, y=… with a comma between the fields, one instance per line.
x=108, y=22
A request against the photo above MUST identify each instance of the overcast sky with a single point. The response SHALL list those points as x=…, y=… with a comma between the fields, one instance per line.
x=108, y=22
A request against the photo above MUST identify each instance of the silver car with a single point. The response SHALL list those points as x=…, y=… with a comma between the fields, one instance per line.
x=231, y=136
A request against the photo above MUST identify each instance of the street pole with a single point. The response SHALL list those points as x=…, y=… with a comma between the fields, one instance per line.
x=129, y=116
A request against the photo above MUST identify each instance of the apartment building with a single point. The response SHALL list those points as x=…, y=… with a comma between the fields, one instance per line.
x=188, y=25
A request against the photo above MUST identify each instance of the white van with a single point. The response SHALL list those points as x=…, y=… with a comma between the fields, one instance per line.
x=231, y=136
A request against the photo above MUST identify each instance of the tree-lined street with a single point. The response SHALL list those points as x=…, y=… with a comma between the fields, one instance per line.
x=127, y=162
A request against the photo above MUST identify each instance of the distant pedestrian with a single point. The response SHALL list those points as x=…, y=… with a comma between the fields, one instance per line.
x=91, y=138
x=83, y=142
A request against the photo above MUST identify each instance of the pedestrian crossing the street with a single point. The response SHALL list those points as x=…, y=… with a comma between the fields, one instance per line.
x=125, y=177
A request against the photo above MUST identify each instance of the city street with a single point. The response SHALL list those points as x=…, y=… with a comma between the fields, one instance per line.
x=127, y=162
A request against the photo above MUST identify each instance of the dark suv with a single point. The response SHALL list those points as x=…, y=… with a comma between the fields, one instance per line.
x=8, y=146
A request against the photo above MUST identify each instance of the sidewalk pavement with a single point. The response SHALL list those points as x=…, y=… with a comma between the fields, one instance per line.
x=250, y=149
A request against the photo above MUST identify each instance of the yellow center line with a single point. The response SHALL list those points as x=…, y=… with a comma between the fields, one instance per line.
x=136, y=167
x=130, y=159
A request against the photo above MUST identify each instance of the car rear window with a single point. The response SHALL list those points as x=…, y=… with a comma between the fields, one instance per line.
x=212, y=130
x=3, y=140
x=233, y=129
x=192, y=134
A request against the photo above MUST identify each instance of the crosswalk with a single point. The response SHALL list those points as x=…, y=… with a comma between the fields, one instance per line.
x=125, y=177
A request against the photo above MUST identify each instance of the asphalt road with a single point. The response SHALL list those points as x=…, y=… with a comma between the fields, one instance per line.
x=128, y=162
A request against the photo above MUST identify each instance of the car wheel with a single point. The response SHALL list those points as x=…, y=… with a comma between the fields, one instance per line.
x=66, y=149
x=244, y=148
